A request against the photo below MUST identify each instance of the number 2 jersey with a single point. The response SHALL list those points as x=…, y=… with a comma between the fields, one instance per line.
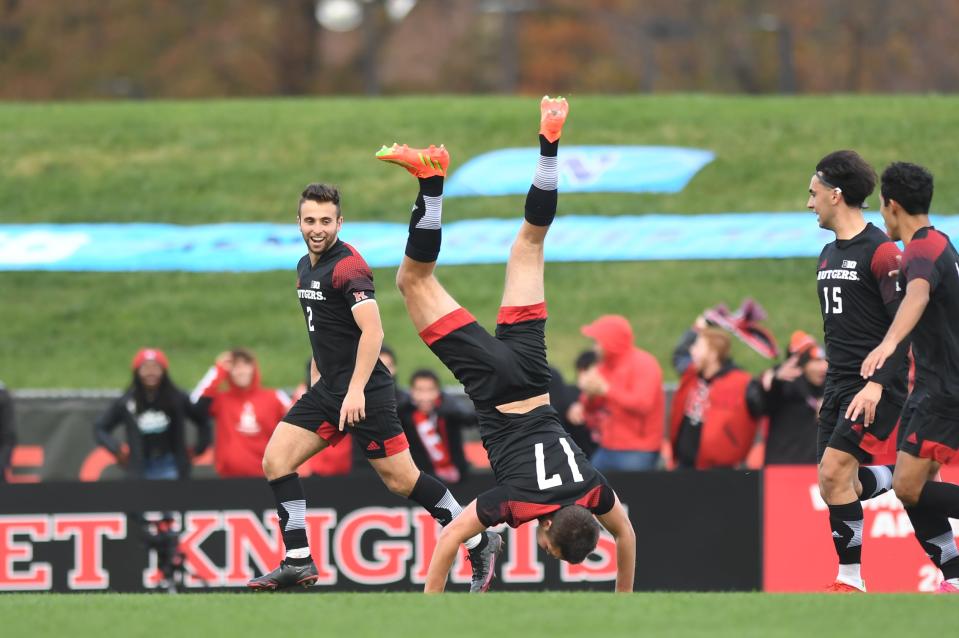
x=538, y=469
x=858, y=299
x=328, y=292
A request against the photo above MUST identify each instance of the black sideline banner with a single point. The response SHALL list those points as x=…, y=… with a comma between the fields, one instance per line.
x=695, y=531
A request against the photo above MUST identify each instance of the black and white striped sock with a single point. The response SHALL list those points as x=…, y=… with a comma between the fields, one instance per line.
x=440, y=503
x=426, y=231
x=543, y=195
x=291, y=509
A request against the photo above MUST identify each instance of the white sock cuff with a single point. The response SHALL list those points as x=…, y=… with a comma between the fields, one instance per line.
x=547, y=174
x=432, y=218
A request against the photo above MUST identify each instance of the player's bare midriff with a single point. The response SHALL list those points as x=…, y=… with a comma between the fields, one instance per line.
x=525, y=405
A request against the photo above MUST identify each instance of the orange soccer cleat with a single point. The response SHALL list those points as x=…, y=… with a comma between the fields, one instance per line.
x=420, y=162
x=553, y=112
x=843, y=588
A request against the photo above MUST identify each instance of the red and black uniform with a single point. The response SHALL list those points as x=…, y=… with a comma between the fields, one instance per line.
x=858, y=299
x=537, y=467
x=328, y=292
x=929, y=426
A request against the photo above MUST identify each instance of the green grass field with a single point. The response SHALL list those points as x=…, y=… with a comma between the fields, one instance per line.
x=510, y=614
x=245, y=160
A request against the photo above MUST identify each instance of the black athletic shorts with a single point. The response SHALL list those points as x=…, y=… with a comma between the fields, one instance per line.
x=380, y=433
x=836, y=431
x=926, y=431
x=510, y=366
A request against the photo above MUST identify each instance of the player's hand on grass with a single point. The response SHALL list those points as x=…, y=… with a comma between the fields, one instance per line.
x=865, y=403
x=354, y=408
x=877, y=358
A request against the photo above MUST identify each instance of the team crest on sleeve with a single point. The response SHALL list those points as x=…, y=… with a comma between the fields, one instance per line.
x=359, y=296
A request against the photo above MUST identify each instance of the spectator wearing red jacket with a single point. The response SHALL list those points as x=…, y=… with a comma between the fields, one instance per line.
x=628, y=383
x=710, y=422
x=245, y=412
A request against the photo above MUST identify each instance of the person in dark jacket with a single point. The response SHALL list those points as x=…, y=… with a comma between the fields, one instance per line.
x=153, y=412
x=790, y=395
x=433, y=423
x=8, y=433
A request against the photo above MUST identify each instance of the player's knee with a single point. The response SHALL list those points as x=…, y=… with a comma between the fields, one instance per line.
x=906, y=490
x=272, y=468
x=831, y=477
x=398, y=483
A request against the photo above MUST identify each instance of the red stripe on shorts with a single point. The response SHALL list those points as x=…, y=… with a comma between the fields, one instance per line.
x=509, y=315
x=396, y=444
x=330, y=433
x=445, y=325
x=937, y=451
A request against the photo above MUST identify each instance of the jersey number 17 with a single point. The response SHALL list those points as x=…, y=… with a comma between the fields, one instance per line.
x=555, y=480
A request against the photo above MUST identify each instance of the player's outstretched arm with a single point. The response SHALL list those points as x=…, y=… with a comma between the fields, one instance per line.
x=616, y=521
x=910, y=311
x=463, y=527
x=367, y=317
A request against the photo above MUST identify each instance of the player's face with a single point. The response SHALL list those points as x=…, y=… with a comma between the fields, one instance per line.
x=150, y=373
x=890, y=219
x=319, y=223
x=542, y=539
x=822, y=201
x=425, y=394
x=242, y=373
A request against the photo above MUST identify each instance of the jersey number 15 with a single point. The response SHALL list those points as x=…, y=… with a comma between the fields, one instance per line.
x=555, y=480
x=836, y=300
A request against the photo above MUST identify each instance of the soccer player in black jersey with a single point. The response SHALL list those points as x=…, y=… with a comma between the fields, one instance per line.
x=858, y=298
x=541, y=474
x=929, y=312
x=350, y=387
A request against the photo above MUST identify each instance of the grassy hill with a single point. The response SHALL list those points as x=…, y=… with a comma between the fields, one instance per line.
x=197, y=162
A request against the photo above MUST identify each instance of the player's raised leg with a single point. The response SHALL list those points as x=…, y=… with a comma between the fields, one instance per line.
x=289, y=447
x=427, y=302
x=524, y=270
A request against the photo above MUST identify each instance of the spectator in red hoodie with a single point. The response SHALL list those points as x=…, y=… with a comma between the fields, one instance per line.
x=245, y=412
x=629, y=384
x=710, y=422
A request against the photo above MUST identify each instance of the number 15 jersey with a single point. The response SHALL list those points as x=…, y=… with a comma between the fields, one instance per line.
x=858, y=299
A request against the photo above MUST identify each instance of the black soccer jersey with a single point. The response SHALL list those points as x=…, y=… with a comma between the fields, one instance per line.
x=935, y=340
x=858, y=300
x=328, y=292
x=538, y=469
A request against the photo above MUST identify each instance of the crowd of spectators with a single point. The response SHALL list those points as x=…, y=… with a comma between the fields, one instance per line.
x=615, y=409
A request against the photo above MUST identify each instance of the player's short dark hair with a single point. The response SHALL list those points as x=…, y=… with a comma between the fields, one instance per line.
x=424, y=373
x=586, y=360
x=575, y=532
x=849, y=172
x=320, y=193
x=909, y=184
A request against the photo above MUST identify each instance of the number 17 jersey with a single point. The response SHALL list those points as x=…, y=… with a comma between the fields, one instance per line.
x=538, y=469
x=858, y=299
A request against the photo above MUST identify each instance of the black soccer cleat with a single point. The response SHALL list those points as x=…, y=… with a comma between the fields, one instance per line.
x=284, y=576
x=484, y=562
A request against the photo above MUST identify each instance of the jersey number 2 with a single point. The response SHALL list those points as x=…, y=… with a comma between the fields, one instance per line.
x=555, y=480
x=836, y=300
x=309, y=318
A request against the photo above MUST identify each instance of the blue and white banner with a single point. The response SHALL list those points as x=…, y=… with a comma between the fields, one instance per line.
x=255, y=247
x=582, y=169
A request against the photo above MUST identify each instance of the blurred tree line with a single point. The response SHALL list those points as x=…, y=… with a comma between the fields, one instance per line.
x=53, y=49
